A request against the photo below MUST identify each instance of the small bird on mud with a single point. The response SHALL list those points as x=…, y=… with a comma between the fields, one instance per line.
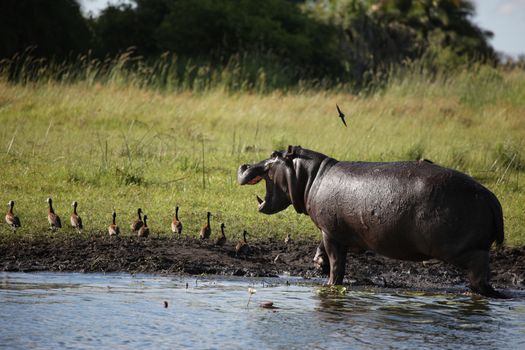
x=288, y=239
x=242, y=248
x=11, y=219
x=76, y=221
x=144, y=229
x=222, y=239
x=206, y=229
x=113, y=229
x=176, y=225
x=52, y=218
x=341, y=115
x=137, y=224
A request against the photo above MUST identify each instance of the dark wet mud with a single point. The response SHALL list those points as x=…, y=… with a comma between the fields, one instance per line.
x=268, y=258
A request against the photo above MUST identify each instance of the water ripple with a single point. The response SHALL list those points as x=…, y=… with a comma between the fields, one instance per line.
x=68, y=310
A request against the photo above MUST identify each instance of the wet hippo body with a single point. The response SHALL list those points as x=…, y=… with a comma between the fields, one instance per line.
x=403, y=210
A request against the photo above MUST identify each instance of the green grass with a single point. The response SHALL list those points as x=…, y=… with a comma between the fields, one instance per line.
x=114, y=144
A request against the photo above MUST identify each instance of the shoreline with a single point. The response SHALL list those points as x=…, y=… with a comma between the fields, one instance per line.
x=269, y=258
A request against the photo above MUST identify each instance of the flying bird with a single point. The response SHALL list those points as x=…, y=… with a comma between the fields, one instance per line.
x=341, y=115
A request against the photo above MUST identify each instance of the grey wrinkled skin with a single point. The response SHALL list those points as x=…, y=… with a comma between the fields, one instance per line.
x=410, y=210
x=321, y=259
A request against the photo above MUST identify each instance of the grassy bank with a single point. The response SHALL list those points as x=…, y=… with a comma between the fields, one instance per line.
x=113, y=145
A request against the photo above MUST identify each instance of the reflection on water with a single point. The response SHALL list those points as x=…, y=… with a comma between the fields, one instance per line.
x=57, y=310
x=422, y=320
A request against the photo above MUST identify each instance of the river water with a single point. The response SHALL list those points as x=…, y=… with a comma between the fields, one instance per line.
x=122, y=311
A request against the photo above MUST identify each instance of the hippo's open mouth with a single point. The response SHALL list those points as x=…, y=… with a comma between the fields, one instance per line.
x=267, y=197
x=252, y=175
x=255, y=180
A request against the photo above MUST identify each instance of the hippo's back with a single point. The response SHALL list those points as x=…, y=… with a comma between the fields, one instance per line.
x=407, y=210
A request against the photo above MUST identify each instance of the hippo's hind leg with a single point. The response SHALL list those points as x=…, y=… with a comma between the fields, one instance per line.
x=337, y=256
x=476, y=263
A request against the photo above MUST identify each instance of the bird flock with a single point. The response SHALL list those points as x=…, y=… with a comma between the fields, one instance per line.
x=139, y=226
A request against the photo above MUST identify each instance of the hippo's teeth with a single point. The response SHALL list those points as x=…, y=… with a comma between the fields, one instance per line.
x=259, y=200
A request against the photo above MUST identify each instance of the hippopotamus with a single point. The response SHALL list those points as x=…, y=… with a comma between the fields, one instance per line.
x=408, y=210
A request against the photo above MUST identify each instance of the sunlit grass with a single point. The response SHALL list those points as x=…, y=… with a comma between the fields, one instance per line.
x=113, y=144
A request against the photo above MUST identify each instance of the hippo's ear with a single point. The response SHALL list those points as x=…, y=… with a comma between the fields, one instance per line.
x=290, y=152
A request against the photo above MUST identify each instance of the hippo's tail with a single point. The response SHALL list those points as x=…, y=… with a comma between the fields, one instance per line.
x=497, y=212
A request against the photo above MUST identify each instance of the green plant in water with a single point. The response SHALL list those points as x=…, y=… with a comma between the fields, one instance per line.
x=332, y=290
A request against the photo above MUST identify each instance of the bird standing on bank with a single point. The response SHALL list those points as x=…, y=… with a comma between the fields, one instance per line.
x=137, y=224
x=11, y=219
x=206, y=229
x=341, y=115
x=222, y=239
x=242, y=248
x=144, y=229
x=113, y=229
x=176, y=225
x=52, y=218
x=76, y=221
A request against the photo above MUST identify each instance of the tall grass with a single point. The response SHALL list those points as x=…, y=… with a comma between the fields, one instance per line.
x=113, y=137
x=169, y=73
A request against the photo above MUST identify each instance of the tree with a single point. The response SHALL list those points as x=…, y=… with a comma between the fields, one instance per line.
x=53, y=28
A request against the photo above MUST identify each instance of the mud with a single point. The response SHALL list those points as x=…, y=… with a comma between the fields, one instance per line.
x=268, y=258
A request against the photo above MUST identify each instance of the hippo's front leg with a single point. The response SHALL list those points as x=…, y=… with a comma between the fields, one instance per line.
x=337, y=256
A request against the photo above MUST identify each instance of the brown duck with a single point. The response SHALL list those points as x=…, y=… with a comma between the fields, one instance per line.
x=242, y=248
x=206, y=229
x=113, y=229
x=76, y=221
x=144, y=229
x=11, y=219
x=176, y=225
x=222, y=239
x=52, y=218
x=137, y=224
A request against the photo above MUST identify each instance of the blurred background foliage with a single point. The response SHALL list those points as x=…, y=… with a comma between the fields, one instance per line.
x=348, y=41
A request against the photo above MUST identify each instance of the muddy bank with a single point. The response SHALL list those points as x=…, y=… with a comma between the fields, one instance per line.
x=268, y=258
